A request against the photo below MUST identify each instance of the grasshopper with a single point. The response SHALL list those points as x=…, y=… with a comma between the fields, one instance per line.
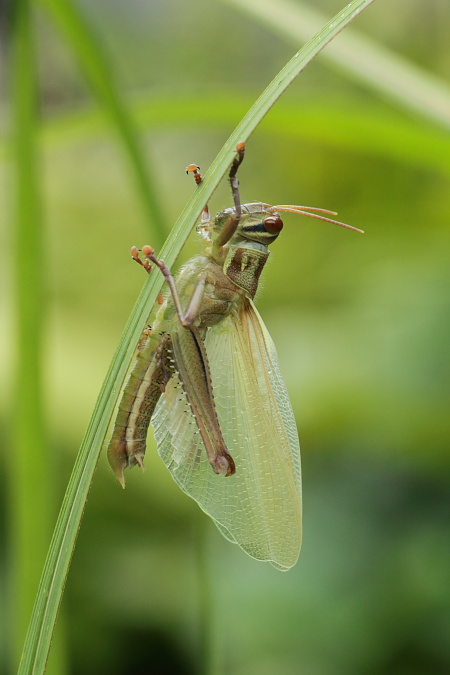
x=207, y=378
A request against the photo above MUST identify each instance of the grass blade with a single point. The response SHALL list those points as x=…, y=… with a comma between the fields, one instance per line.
x=95, y=65
x=31, y=507
x=50, y=591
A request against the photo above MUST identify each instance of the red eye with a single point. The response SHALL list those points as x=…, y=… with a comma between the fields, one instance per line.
x=273, y=224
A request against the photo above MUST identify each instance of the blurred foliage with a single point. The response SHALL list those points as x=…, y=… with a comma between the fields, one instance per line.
x=360, y=322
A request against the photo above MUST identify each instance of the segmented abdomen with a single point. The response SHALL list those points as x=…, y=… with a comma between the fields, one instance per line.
x=146, y=382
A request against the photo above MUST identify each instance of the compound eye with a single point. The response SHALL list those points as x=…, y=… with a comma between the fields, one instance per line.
x=273, y=224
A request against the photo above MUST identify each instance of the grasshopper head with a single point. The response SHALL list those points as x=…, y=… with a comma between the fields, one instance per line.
x=259, y=222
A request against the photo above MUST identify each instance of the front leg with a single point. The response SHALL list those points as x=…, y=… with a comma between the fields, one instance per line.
x=233, y=221
x=186, y=318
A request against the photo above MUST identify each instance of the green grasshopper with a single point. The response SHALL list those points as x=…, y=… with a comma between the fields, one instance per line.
x=207, y=377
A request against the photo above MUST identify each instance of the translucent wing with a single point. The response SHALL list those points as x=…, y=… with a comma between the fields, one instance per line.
x=259, y=507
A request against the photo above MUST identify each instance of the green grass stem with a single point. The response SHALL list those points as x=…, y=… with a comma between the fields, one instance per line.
x=88, y=49
x=31, y=504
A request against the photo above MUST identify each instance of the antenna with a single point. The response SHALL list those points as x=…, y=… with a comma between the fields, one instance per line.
x=309, y=211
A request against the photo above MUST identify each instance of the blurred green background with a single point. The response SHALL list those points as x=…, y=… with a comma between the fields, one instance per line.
x=361, y=325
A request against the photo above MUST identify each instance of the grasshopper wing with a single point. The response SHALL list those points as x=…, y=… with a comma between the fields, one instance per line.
x=259, y=507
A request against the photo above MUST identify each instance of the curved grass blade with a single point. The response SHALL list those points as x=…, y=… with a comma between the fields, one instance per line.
x=94, y=63
x=38, y=639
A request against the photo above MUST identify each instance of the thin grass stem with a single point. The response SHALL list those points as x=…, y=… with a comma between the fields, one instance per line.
x=88, y=49
x=31, y=505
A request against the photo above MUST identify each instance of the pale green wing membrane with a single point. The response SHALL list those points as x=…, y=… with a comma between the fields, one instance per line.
x=259, y=507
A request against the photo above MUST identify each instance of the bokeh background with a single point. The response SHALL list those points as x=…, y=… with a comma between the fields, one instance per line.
x=361, y=325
